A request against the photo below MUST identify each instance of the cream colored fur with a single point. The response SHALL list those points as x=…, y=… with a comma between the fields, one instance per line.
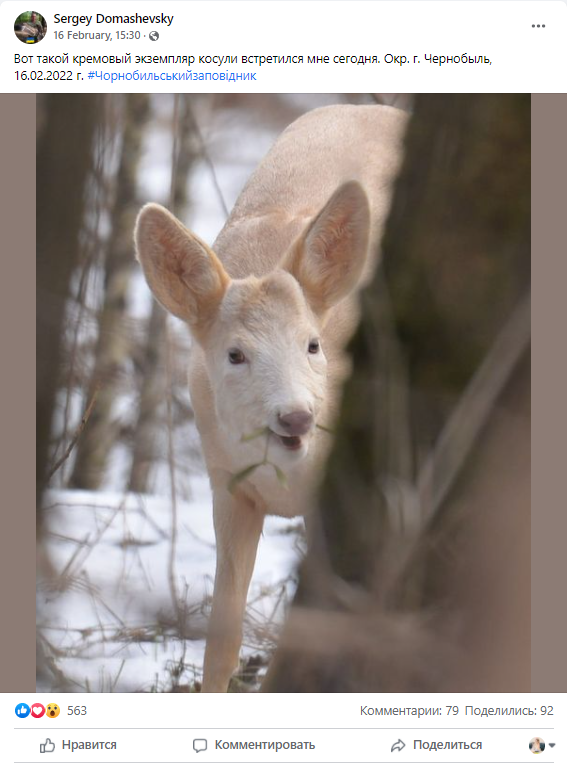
x=280, y=278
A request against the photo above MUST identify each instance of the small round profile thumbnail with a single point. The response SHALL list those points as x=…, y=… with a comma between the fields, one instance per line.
x=30, y=27
x=537, y=745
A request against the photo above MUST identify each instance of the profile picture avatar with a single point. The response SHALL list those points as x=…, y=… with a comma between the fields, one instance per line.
x=537, y=745
x=30, y=27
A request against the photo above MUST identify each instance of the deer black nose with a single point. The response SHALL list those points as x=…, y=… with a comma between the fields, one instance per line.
x=296, y=423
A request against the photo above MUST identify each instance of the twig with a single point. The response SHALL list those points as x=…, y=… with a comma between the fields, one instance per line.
x=473, y=411
x=73, y=442
x=113, y=686
x=208, y=161
x=90, y=545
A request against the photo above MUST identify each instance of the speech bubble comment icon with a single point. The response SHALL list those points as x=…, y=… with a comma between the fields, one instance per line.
x=199, y=744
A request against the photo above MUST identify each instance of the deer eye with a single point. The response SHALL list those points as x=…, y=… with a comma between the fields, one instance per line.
x=235, y=356
x=313, y=346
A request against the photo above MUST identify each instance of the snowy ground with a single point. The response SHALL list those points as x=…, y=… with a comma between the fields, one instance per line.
x=106, y=612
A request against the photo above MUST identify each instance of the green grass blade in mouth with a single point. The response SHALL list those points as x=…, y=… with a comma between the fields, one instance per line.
x=255, y=434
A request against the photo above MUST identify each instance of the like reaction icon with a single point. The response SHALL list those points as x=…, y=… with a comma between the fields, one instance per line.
x=22, y=710
x=47, y=746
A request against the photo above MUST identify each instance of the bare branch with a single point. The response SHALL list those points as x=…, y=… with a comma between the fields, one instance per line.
x=73, y=441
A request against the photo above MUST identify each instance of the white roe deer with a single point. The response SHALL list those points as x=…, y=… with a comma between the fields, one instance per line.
x=271, y=307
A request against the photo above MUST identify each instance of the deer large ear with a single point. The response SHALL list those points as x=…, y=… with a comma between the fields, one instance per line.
x=329, y=257
x=184, y=274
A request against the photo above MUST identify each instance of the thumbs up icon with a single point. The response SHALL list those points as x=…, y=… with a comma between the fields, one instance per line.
x=48, y=746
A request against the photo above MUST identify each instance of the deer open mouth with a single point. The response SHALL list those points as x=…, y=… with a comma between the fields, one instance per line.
x=292, y=443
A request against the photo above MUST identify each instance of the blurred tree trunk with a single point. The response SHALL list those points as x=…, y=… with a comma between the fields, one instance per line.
x=67, y=128
x=63, y=169
x=421, y=539
x=153, y=385
x=114, y=343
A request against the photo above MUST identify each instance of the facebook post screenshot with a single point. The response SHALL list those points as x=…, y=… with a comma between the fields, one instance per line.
x=268, y=271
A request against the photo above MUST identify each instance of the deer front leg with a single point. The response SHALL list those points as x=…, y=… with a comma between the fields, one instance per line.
x=238, y=526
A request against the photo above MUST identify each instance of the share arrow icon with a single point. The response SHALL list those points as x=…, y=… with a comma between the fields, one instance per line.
x=398, y=746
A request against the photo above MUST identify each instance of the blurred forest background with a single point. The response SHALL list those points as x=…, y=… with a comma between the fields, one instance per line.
x=125, y=539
